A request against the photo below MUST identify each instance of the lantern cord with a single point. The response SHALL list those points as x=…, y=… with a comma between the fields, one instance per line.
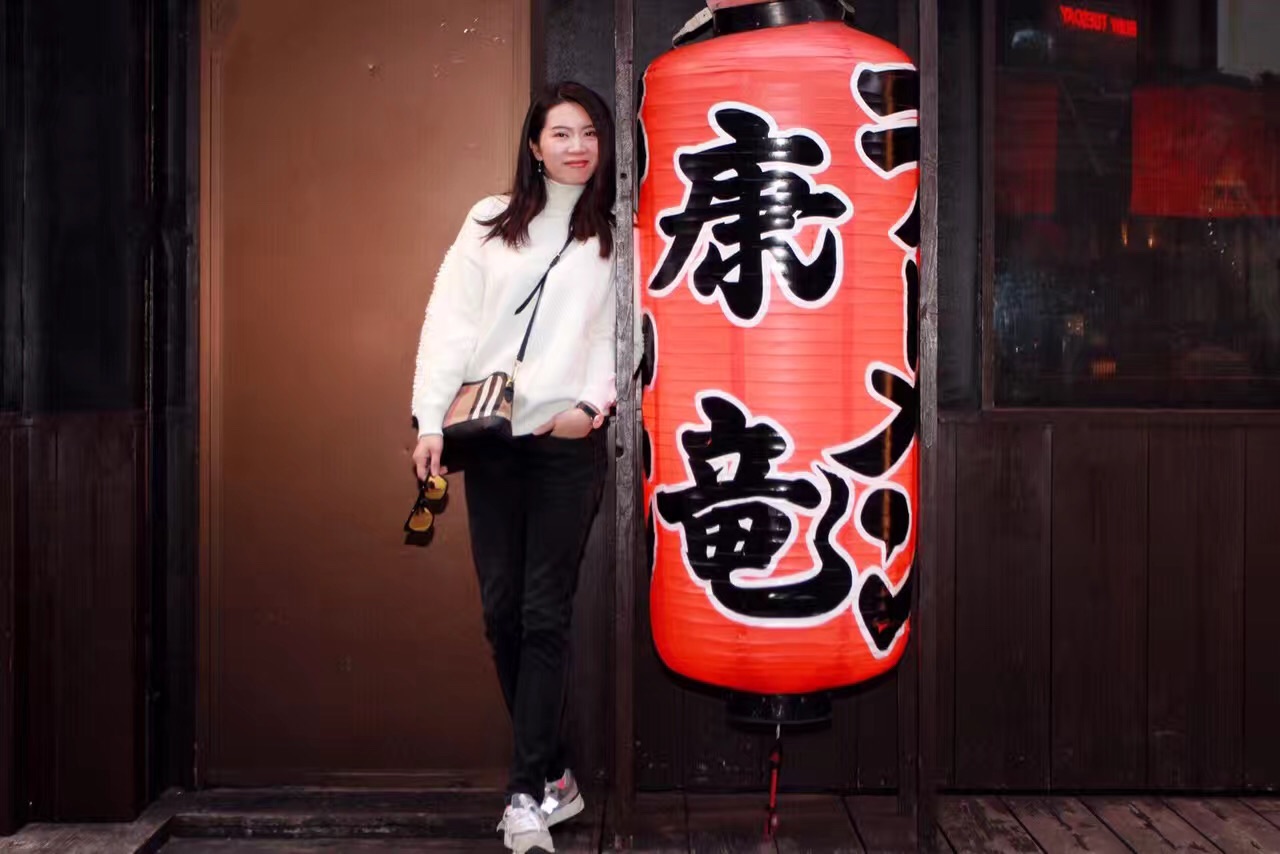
x=847, y=5
x=775, y=769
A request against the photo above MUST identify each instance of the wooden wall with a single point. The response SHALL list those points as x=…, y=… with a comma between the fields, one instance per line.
x=1106, y=591
x=86, y=241
x=1109, y=589
x=72, y=528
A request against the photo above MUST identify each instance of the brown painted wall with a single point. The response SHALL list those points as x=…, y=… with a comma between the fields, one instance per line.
x=345, y=143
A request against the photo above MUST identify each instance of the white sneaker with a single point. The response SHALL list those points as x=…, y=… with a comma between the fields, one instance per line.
x=562, y=799
x=524, y=827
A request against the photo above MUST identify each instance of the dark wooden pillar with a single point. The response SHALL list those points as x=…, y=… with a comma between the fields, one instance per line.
x=78, y=167
x=627, y=426
x=12, y=455
x=927, y=622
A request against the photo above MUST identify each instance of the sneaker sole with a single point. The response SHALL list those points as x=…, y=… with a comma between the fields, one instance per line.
x=567, y=811
x=523, y=846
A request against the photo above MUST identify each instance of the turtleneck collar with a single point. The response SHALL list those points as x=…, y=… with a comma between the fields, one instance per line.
x=561, y=198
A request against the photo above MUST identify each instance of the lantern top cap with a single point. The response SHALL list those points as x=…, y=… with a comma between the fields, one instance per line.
x=776, y=13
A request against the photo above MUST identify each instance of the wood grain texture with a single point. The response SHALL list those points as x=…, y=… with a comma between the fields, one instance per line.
x=1148, y=826
x=659, y=825
x=824, y=756
x=1003, y=477
x=13, y=568
x=815, y=824
x=87, y=509
x=1099, y=607
x=1228, y=824
x=728, y=824
x=1065, y=825
x=883, y=828
x=879, y=731
x=1196, y=607
x=718, y=755
x=945, y=607
x=627, y=526
x=981, y=825
x=1261, y=628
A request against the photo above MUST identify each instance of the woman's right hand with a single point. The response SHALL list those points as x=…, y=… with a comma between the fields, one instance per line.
x=426, y=457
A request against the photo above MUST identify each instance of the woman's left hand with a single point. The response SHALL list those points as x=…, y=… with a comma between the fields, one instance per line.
x=570, y=424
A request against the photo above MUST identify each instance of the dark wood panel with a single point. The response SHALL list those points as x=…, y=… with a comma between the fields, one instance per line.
x=1148, y=826
x=878, y=731
x=1064, y=825
x=1261, y=628
x=659, y=703
x=982, y=825
x=589, y=714
x=1229, y=824
x=87, y=218
x=815, y=824
x=945, y=605
x=882, y=827
x=87, y=509
x=13, y=140
x=1099, y=607
x=719, y=755
x=727, y=824
x=628, y=522
x=823, y=757
x=13, y=486
x=1196, y=607
x=659, y=824
x=1002, y=606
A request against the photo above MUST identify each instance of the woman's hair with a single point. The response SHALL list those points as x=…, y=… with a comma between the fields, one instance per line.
x=593, y=215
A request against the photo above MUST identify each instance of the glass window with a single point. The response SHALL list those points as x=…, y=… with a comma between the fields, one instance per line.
x=1137, y=203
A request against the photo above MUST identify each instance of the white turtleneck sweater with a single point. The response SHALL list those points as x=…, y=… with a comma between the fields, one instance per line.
x=472, y=330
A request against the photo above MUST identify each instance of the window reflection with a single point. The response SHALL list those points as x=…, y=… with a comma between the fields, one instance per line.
x=1137, y=202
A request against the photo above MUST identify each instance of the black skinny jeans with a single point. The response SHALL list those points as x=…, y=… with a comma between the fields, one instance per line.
x=530, y=503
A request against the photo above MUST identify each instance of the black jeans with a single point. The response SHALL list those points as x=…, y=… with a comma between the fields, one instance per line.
x=530, y=503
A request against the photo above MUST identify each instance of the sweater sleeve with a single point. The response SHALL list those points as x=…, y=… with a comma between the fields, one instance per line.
x=451, y=327
x=599, y=389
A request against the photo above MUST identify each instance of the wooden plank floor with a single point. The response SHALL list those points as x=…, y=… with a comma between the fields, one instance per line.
x=301, y=821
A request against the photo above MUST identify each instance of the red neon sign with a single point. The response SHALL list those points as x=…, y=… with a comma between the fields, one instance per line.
x=1098, y=22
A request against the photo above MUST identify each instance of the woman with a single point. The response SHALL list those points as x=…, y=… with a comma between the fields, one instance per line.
x=531, y=499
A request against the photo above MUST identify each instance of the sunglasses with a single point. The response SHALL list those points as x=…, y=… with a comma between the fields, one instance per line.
x=430, y=491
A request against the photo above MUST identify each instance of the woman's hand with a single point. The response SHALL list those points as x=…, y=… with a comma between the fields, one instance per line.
x=426, y=457
x=570, y=424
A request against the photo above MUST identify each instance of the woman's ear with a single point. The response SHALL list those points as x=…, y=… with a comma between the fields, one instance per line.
x=533, y=147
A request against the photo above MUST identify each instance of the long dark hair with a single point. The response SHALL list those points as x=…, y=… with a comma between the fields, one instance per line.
x=593, y=215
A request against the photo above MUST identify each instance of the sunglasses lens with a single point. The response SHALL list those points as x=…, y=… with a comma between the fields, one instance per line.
x=421, y=520
x=436, y=488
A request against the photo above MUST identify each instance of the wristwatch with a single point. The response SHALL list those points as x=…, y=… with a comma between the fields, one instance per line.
x=591, y=411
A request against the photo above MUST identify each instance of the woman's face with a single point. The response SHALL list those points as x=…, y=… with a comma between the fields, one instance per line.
x=568, y=146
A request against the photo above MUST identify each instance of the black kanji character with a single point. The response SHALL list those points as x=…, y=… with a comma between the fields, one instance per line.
x=821, y=593
x=889, y=94
x=752, y=210
x=731, y=461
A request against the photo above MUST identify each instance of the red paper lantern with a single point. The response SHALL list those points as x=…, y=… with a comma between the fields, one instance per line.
x=777, y=248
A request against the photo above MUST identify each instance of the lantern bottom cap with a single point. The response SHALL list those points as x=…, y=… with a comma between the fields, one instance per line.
x=779, y=709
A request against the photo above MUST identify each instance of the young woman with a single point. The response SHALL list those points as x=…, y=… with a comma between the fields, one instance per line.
x=531, y=500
